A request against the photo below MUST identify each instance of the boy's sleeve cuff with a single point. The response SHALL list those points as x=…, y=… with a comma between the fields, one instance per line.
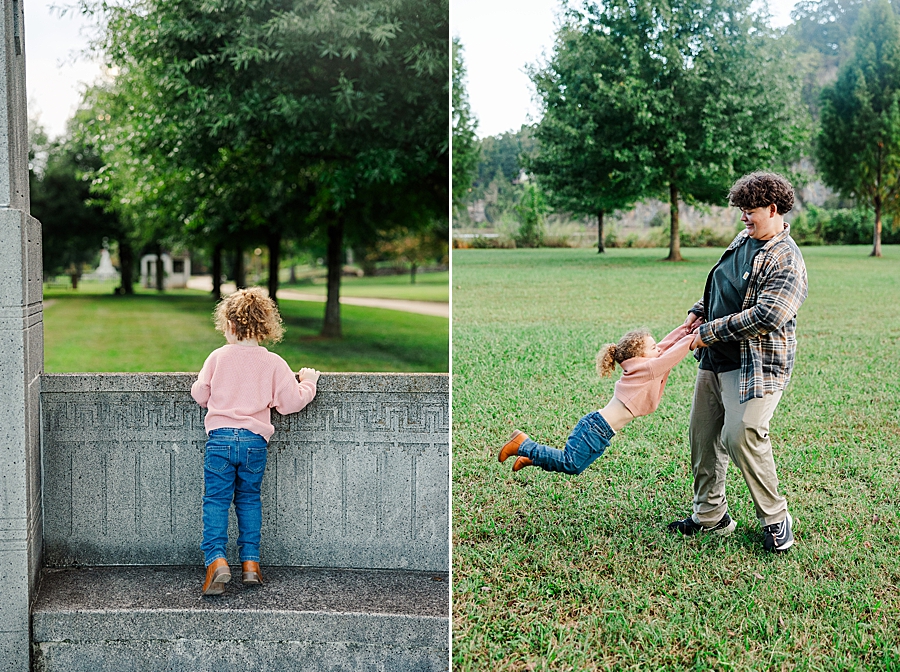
x=707, y=334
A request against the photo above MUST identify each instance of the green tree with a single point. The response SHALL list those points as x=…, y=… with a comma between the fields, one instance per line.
x=281, y=115
x=532, y=210
x=73, y=222
x=580, y=138
x=858, y=147
x=820, y=35
x=825, y=25
x=692, y=93
x=505, y=153
x=464, y=143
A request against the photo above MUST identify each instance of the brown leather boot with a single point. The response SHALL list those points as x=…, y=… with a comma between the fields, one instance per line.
x=511, y=447
x=217, y=575
x=521, y=463
x=250, y=572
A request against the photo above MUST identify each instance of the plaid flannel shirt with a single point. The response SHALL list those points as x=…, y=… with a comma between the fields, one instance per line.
x=766, y=325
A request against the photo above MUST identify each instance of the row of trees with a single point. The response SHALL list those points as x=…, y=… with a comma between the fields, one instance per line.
x=645, y=98
x=230, y=124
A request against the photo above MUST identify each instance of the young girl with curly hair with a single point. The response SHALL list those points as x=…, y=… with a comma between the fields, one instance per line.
x=238, y=384
x=646, y=366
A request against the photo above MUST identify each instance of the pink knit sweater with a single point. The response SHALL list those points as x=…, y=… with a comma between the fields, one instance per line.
x=641, y=386
x=238, y=384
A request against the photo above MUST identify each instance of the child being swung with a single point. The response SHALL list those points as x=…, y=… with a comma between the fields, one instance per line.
x=646, y=366
x=238, y=385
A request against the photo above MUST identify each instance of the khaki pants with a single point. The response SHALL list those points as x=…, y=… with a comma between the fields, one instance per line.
x=722, y=428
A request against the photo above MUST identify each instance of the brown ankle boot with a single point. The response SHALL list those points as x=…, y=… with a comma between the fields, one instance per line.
x=511, y=447
x=250, y=572
x=217, y=575
x=521, y=463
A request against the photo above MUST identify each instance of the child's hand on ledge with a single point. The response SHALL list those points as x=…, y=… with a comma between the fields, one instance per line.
x=308, y=374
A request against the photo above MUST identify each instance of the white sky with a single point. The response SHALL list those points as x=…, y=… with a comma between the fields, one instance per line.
x=55, y=70
x=500, y=37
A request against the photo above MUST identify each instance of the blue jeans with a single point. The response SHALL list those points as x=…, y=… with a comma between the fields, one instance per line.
x=232, y=471
x=588, y=441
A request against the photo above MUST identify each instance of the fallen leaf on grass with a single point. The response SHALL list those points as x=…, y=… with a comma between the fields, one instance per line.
x=781, y=622
x=867, y=544
x=757, y=575
x=485, y=588
x=732, y=633
x=875, y=519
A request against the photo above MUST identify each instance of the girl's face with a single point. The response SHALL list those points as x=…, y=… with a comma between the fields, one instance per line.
x=651, y=349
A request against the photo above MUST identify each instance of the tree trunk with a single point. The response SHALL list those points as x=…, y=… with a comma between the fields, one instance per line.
x=274, y=244
x=126, y=264
x=600, y=248
x=332, y=326
x=674, y=238
x=412, y=272
x=160, y=270
x=217, y=272
x=876, y=249
x=240, y=276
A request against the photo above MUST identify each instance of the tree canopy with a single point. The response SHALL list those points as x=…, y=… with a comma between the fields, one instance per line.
x=679, y=97
x=858, y=147
x=465, y=142
x=581, y=140
x=237, y=121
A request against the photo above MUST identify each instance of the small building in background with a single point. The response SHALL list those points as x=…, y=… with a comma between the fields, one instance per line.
x=176, y=271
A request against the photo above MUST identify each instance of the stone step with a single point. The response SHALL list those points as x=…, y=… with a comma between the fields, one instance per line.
x=153, y=618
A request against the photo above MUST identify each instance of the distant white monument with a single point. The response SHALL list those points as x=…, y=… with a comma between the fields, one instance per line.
x=105, y=271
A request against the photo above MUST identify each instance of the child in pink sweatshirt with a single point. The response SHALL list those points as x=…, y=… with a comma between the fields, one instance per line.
x=238, y=384
x=646, y=366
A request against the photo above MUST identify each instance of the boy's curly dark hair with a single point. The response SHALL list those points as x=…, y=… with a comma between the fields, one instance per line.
x=758, y=190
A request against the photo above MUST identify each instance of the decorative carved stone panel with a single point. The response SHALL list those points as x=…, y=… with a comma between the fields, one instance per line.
x=359, y=478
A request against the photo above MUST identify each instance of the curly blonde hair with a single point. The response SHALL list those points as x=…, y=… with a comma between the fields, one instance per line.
x=630, y=345
x=253, y=315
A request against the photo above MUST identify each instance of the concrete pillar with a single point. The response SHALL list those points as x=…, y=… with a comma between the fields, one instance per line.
x=21, y=356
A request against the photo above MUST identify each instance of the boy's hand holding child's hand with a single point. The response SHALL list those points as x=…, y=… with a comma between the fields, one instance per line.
x=308, y=374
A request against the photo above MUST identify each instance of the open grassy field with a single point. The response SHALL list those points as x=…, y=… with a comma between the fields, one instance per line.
x=427, y=287
x=86, y=331
x=553, y=572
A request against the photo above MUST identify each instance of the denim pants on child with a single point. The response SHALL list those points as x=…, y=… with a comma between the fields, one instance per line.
x=586, y=443
x=232, y=471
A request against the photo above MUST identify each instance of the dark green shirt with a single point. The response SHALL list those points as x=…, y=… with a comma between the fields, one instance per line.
x=728, y=286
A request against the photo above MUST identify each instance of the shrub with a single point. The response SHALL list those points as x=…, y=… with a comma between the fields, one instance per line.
x=842, y=226
x=806, y=227
x=482, y=243
x=531, y=215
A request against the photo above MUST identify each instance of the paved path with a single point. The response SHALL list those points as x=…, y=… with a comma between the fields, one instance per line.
x=436, y=308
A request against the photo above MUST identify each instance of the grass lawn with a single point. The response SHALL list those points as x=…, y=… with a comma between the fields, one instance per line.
x=92, y=330
x=427, y=287
x=553, y=572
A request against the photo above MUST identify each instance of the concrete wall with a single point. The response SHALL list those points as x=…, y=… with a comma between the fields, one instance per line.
x=21, y=359
x=358, y=479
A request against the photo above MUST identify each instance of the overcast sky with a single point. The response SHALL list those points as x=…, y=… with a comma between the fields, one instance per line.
x=499, y=38
x=55, y=70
